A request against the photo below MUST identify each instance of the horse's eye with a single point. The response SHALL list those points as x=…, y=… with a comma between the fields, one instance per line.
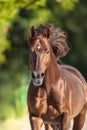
x=47, y=51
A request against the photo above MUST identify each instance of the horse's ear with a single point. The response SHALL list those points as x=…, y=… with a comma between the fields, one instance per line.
x=31, y=34
x=47, y=31
x=32, y=31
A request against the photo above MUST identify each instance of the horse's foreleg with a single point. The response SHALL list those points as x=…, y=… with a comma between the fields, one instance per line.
x=35, y=122
x=79, y=120
x=65, y=121
x=48, y=127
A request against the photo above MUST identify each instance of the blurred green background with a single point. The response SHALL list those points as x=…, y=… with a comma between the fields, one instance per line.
x=16, y=17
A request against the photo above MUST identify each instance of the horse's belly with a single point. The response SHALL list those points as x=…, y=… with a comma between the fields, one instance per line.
x=78, y=101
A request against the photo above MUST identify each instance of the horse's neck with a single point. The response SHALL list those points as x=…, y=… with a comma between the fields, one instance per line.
x=53, y=72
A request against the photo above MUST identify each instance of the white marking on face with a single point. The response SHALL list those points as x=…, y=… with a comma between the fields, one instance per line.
x=39, y=47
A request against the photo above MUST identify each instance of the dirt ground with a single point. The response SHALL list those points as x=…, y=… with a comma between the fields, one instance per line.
x=22, y=124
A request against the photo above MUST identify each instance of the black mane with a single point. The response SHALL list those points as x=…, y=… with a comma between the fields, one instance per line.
x=58, y=39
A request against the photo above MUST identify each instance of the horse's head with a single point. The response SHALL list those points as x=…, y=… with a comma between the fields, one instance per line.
x=39, y=55
x=44, y=41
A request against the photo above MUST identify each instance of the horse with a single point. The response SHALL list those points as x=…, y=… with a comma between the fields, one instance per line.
x=57, y=93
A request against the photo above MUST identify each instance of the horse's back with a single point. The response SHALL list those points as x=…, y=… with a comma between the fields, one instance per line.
x=74, y=71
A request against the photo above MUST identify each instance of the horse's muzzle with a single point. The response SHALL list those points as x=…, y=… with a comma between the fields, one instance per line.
x=37, y=78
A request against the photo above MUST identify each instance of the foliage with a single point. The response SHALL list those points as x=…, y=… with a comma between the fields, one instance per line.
x=68, y=5
x=13, y=90
x=16, y=17
x=9, y=9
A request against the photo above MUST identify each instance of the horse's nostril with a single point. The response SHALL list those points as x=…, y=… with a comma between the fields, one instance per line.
x=42, y=74
x=33, y=76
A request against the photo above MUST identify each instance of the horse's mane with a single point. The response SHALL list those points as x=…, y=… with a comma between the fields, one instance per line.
x=58, y=39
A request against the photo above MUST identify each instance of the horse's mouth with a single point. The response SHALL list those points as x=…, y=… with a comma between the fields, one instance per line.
x=37, y=78
x=38, y=82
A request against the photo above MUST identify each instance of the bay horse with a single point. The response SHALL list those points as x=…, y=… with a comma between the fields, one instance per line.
x=57, y=93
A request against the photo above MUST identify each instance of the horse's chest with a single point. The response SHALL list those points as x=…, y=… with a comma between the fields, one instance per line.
x=45, y=107
x=40, y=106
x=38, y=102
x=48, y=112
x=52, y=114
